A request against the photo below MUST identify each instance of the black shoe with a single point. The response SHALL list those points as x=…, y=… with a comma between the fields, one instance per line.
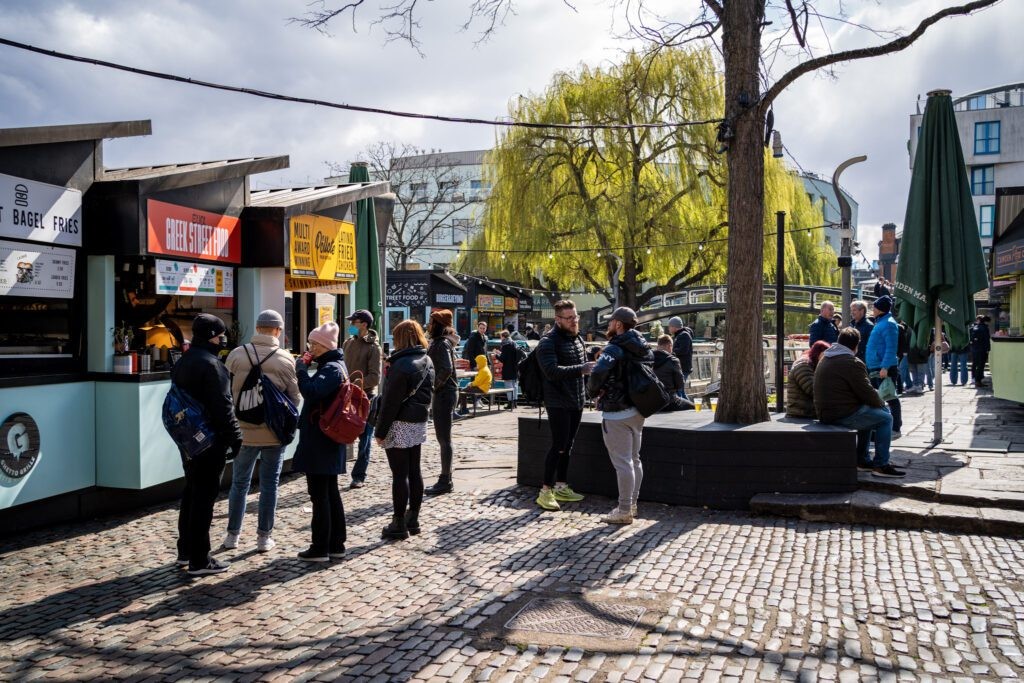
x=309, y=555
x=412, y=522
x=356, y=484
x=889, y=471
x=865, y=467
x=182, y=561
x=337, y=553
x=443, y=485
x=214, y=566
x=396, y=530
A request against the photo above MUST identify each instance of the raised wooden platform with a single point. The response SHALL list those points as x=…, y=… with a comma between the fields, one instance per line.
x=691, y=460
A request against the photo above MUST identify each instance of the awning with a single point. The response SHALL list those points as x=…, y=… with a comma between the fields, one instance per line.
x=295, y=284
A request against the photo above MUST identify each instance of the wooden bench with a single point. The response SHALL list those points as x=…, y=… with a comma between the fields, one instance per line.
x=494, y=392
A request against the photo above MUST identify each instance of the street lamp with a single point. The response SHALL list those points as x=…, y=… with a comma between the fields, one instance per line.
x=845, y=231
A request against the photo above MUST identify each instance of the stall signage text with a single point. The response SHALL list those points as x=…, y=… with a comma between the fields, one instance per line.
x=194, y=279
x=40, y=271
x=442, y=299
x=1009, y=258
x=489, y=303
x=19, y=445
x=322, y=248
x=40, y=212
x=180, y=231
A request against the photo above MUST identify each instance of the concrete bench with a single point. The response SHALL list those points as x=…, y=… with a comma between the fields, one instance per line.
x=691, y=460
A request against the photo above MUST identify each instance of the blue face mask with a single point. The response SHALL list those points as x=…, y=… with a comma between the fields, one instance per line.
x=353, y=330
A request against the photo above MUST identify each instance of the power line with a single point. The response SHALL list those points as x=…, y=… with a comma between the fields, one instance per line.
x=347, y=107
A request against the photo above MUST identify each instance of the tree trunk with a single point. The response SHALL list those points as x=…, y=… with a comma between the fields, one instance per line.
x=743, y=398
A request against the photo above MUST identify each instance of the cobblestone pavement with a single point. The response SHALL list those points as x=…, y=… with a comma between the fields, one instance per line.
x=735, y=597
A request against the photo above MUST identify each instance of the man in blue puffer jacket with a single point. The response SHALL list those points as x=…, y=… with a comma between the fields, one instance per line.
x=881, y=355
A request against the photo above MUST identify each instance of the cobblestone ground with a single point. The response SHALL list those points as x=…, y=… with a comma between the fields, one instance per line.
x=744, y=598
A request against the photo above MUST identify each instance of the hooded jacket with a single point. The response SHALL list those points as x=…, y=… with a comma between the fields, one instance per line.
x=841, y=385
x=608, y=380
x=362, y=354
x=407, y=389
x=200, y=373
x=800, y=389
x=475, y=345
x=317, y=453
x=682, y=348
x=442, y=355
x=281, y=371
x=669, y=371
x=483, y=378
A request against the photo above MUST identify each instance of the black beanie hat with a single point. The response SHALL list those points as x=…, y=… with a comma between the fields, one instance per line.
x=205, y=327
x=883, y=303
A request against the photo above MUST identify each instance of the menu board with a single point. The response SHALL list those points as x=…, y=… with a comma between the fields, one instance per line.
x=194, y=279
x=40, y=212
x=36, y=270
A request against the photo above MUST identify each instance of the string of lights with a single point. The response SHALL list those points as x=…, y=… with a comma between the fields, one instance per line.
x=339, y=105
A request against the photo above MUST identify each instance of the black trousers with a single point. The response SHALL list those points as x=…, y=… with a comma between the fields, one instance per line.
x=895, y=407
x=406, y=479
x=978, y=360
x=442, y=406
x=328, y=523
x=202, y=483
x=564, y=423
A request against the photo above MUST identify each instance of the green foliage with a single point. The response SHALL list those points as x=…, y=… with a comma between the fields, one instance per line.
x=605, y=191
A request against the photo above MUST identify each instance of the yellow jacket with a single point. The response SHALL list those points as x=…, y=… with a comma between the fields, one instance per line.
x=483, y=378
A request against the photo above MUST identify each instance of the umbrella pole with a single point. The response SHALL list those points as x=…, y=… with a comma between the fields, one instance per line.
x=937, y=360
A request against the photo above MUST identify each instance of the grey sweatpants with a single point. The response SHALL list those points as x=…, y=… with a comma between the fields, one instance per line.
x=622, y=439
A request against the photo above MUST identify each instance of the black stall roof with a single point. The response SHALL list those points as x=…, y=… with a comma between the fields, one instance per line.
x=45, y=135
x=302, y=200
x=170, y=176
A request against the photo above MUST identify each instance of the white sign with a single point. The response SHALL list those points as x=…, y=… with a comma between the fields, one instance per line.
x=39, y=271
x=40, y=212
x=194, y=279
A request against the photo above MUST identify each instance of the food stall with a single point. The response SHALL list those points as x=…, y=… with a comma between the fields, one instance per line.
x=1007, y=358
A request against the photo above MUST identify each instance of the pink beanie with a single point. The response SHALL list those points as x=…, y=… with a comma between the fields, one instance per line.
x=326, y=335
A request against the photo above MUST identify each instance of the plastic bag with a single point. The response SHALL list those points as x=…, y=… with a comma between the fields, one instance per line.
x=887, y=389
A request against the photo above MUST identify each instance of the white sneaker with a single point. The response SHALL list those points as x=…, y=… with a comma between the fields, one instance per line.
x=633, y=510
x=264, y=543
x=230, y=541
x=617, y=516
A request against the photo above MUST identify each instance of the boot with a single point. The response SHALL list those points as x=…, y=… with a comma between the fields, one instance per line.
x=443, y=485
x=412, y=522
x=396, y=530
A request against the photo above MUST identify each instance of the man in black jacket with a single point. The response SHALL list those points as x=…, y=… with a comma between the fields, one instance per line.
x=476, y=344
x=622, y=424
x=561, y=355
x=682, y=348
x=981, y=344
x=202, y=375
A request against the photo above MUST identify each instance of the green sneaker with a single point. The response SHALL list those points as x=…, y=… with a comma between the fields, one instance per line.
x=546, y=500
x=564, y=494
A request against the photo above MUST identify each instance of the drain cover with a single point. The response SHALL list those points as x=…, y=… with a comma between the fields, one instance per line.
x=577, y=618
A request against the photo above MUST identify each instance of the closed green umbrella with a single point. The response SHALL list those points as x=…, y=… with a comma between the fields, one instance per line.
x=941, y=263
x=368, y=293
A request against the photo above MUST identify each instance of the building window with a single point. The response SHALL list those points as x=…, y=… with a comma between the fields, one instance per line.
x=975, y=103
x=983, y=180
x=461, y=227
x=986, y=137
x=986, y=219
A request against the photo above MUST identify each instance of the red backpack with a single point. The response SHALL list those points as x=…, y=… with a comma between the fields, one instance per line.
x=344, y=419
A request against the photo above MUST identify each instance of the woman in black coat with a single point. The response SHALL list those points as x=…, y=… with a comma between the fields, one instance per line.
x=319, y=456
x=443, y=341
x=402, y=424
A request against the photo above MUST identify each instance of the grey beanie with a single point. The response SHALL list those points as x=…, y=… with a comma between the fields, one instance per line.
x=675, y=321
x=269, y=318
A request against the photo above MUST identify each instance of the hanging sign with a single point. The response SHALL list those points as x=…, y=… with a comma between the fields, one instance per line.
x=40, y=212
x=40, y=271
x=194, y=279
x=322, y=248
x=192, y=234
x=490, y=304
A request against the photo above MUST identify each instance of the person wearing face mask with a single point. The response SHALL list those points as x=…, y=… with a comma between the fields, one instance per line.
x=362, y=355
x=200, y=373
x=258, y=441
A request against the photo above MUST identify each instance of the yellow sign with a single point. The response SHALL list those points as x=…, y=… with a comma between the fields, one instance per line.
x=326, y=314
x=292, y=284
x=322, y=248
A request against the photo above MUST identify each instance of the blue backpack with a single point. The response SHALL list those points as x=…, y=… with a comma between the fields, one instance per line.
x=279, y=413
x=186, y=422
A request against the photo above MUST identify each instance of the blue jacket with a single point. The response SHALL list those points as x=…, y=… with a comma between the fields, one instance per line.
x=822, y=329
x=885, y=337
x=317, y=453
x=865, y=327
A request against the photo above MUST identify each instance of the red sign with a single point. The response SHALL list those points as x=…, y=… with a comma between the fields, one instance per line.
x=193, y=234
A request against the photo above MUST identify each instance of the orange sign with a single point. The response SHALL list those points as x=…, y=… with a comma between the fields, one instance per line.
x=192, y=234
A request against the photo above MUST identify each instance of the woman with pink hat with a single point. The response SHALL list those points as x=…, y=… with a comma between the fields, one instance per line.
x=319, y=456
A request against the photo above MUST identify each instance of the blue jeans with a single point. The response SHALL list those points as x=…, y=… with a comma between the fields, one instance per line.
x=682, y=392
x=363, y=454
x=904, y=368
x=865, y=421
x=919, y=375
x=958, y=359
x=271, y=459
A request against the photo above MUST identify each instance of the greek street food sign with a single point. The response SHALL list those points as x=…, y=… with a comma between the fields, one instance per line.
x=322, y=248
x=40, y=212
x=36, y=270
x=194, y=279
x=19, y=445
x=189, y=233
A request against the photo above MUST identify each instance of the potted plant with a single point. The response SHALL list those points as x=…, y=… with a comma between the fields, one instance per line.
x=123, y=335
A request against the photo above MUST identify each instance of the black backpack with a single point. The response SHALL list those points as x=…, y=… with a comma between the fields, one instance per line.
x=646, y=391
x=249, y=406
x=531, y=379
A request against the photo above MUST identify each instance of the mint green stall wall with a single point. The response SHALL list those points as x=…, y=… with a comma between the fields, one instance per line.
x=65, y=414
x=133, y=451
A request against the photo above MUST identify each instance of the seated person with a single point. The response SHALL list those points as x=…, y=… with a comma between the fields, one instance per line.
x=481, y=383
x=670, y=373
x=800, y=387
x=843, y=395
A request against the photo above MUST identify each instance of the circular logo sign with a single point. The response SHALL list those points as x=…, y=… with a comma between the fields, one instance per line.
x=19, y=445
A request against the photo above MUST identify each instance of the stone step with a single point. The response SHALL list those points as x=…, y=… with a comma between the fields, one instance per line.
x=936, y=492
x=886, y=509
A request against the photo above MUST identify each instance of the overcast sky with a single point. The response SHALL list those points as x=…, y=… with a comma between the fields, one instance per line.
x=863, y=109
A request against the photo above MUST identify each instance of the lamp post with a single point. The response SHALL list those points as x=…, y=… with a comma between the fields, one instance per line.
x=845, y=232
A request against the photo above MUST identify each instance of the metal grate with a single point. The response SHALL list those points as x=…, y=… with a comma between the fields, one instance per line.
x=577, y=618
